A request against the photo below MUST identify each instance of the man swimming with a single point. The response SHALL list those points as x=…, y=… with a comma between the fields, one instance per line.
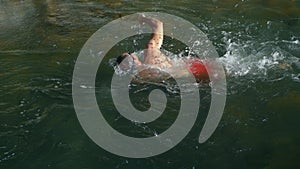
x=155, y=58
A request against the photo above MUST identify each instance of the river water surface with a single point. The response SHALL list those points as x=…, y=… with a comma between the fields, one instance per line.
x=259, y=46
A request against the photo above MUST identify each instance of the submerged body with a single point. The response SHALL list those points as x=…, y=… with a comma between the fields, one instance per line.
x=180, y=68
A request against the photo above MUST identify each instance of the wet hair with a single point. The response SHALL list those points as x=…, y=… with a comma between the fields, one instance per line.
x=127, y=68
x=120, y=59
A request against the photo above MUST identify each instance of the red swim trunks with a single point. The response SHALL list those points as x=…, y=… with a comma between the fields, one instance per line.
x=197, y=67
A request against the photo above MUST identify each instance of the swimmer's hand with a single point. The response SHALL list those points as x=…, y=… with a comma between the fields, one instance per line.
x=141, y=18
x=153, y=22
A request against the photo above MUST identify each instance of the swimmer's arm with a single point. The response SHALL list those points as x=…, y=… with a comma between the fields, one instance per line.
x=157, y=29
x=169, y=60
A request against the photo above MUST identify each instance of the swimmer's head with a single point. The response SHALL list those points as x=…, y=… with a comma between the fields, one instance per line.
x=130, y=56
x=121, y=58
x=125, y=62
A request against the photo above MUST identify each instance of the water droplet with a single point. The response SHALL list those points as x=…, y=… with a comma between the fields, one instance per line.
x=83, y=86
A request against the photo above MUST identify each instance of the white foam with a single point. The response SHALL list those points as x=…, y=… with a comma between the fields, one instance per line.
x=245, y=59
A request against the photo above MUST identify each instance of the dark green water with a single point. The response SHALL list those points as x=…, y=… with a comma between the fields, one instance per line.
x=258, y=42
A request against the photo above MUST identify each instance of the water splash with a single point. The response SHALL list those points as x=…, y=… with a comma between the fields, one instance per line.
x=248, y=58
